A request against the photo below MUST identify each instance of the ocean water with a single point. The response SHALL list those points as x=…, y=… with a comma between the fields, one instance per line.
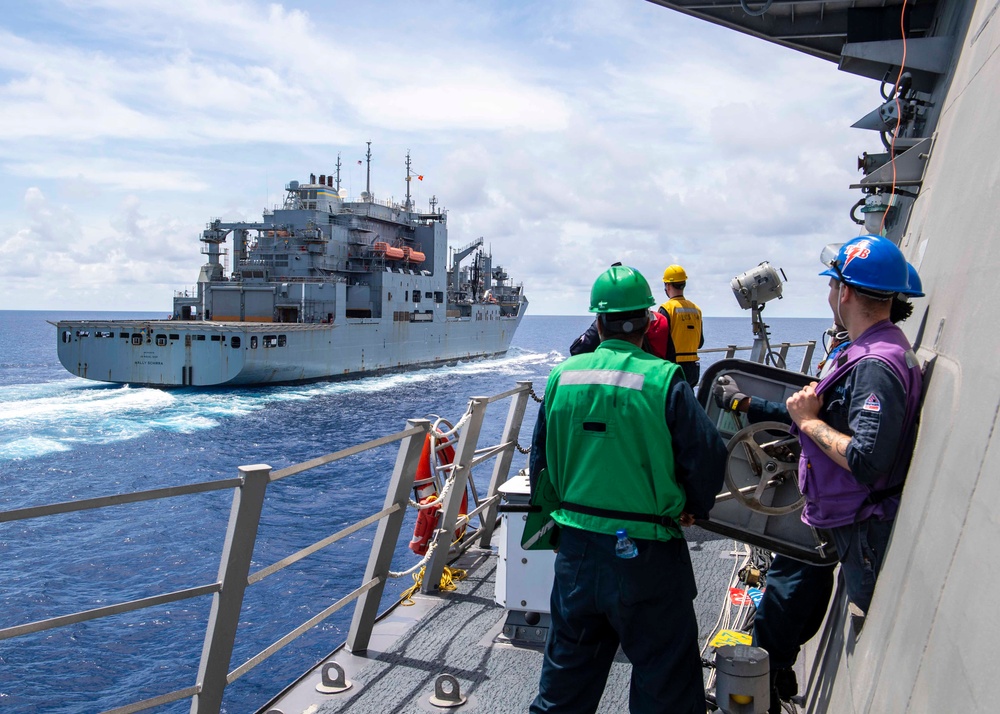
x=64, y=438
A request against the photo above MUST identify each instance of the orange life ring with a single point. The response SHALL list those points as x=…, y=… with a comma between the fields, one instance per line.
x=425, y=491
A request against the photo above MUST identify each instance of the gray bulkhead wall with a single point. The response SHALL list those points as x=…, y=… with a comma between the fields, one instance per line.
x=929, y=642
x=425, y=238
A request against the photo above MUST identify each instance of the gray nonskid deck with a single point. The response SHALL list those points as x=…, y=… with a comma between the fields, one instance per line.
x=456, y=634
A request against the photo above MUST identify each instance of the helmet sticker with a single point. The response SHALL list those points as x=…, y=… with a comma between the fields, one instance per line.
x=859, y=250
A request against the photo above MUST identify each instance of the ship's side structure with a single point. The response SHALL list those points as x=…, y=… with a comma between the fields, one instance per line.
x=928, y=642
x=321, y=288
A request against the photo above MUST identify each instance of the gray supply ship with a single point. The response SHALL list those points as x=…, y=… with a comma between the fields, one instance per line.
x=321, y=288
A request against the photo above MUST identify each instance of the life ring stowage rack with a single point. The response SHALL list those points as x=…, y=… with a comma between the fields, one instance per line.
x=426, y=491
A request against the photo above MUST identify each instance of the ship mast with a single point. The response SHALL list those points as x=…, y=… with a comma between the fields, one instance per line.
x=338, y=172
x=408, y=205
x=368, y=177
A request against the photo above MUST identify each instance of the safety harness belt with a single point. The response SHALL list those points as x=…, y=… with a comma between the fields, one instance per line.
x=665, y=521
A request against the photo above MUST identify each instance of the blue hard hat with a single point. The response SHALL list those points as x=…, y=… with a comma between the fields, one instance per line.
x=916, y=287
x=873, y=263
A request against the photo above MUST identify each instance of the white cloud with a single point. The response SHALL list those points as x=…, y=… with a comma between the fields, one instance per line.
x=567, y=134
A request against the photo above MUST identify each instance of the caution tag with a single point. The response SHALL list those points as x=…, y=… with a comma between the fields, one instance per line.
x=731, y=637
x=738, y=596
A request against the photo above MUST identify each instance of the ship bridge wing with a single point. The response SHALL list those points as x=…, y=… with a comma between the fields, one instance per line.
x=815, y=27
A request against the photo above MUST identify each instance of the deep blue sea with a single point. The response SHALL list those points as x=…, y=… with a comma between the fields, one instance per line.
x=64, y=438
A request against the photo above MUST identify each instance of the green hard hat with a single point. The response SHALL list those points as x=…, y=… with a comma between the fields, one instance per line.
x=620, y=289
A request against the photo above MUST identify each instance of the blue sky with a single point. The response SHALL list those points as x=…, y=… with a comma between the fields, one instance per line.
x=568, y=133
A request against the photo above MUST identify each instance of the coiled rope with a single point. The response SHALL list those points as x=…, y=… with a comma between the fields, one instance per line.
x=449, y=576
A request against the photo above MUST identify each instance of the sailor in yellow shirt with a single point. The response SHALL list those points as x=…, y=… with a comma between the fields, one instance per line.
x=686, y=332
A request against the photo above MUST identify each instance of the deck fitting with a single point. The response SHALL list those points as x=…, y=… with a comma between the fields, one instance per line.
x=447, y=696
x=333, y=685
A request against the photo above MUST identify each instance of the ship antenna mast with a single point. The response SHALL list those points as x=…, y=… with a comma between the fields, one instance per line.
x=407, y=206
x=368, y=177
x=338, y=172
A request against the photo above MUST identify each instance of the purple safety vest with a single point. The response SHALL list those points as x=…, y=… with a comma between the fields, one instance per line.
x=833, y=496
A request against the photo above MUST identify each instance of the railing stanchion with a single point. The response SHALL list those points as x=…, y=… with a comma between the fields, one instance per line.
x=807, y=359
x=465, y=451
x=387, y=535
x=234, y=566
x=501, y=467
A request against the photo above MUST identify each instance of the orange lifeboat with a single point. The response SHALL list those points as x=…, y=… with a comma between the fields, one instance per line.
x=383, y=248
x=414, y=256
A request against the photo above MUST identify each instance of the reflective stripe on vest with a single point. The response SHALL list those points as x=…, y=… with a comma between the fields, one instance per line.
x=628, y=380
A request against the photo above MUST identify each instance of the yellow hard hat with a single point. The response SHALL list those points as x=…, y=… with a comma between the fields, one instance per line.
x=674, y=274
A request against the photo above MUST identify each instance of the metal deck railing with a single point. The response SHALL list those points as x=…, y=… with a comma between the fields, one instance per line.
x=774, y=357
x=249, y=491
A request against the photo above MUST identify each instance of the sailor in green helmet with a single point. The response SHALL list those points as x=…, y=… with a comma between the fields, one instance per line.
x=626, y=447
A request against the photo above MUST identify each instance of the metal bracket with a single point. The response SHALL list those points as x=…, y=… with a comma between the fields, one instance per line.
x=909, y=165
x=927, y=58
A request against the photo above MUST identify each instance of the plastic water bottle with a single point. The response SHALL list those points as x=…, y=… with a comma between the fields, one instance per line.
x=625, y=547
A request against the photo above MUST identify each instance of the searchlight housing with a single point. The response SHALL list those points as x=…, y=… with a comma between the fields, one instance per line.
x=757, y=286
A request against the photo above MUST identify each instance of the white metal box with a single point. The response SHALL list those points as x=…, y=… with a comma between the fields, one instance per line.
x=524, y=577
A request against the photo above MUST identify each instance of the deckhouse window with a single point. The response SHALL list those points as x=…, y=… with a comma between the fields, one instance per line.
x=235, y=342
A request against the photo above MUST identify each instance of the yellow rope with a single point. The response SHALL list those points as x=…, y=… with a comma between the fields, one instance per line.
x=449, y=577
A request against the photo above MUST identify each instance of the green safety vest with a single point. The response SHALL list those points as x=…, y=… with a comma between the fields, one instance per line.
x=608, y=448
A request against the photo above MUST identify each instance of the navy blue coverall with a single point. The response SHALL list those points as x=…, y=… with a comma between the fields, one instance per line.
x=797, y=594
x=644, y=604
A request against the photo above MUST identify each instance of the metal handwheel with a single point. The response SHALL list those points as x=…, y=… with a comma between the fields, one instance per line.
x=774, y=460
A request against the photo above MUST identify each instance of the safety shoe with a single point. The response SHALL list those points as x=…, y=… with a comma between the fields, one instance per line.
x=784, y=686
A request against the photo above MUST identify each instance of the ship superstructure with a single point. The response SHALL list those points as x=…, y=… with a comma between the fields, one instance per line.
x=321, y=287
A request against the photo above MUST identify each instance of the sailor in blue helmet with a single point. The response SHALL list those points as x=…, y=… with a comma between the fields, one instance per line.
x=627, y=450
x=857, y=427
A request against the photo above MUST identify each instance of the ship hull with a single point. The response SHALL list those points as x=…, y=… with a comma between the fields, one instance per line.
x=174, y=353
